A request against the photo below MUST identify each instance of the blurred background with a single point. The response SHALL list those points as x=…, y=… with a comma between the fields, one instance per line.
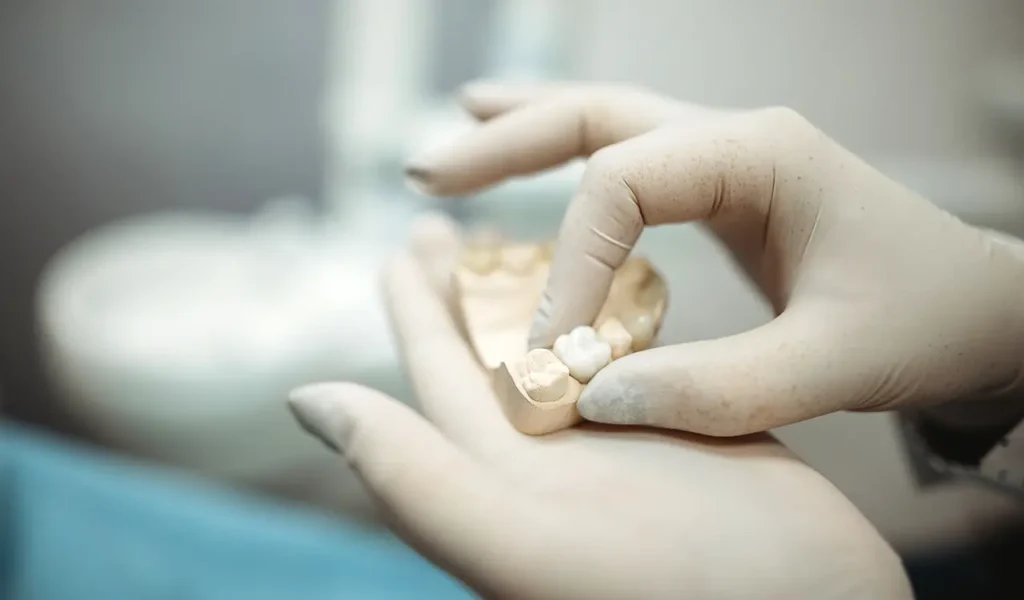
x=196, y=196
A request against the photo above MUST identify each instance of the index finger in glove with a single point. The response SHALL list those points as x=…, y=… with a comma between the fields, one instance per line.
x=724, y=169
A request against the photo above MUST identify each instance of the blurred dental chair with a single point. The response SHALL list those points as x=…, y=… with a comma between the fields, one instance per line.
x=79, y=525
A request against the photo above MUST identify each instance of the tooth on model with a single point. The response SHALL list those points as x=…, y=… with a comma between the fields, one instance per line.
x=545, y=378
x=481, y=253
x=481, y=260
x=640, y=326
x=583, y=352
x=520, y=258
x=618, y=338
x=485, y=236
x=652, y=296
x=547, y=250
x=634, y=273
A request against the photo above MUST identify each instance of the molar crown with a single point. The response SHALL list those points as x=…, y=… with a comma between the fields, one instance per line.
x=583, y=352
x=545, y=378
x=618, y=338
x=481, y=253
x=520, y=258
x=640, y=326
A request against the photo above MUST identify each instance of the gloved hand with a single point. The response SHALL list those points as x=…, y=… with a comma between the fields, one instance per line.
x=882, y=299
x=590, y=512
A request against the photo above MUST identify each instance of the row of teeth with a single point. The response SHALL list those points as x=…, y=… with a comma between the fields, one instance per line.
x=580, y=354
x=486, y=258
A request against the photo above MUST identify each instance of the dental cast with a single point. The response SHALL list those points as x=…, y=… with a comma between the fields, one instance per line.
x=583, y=352
x=546, y=378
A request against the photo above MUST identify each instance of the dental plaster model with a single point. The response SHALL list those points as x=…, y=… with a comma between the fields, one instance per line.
x=498, y=286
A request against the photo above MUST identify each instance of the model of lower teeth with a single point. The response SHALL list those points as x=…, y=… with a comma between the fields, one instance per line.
x=498, y=286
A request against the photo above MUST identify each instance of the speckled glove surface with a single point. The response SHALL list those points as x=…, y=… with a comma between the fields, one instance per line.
x=882, y=299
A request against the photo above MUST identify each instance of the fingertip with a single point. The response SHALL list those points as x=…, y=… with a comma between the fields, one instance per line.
x=611, y=399
x=432, y=233
x=420, y=177
x=323, y=410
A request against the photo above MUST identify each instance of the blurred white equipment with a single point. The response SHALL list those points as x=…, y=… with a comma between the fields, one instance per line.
x=178, y=337
x=527, y=42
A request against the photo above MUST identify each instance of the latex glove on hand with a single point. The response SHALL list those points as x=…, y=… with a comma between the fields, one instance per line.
x=590, y=512
x=882, y=299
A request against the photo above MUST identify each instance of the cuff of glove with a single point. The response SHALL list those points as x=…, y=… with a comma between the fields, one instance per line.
x=989, y=450
x=976, y=438
x=964, y=432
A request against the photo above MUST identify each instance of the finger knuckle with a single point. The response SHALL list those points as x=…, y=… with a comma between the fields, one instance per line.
x=606, y=178
x=605, y=164
x=628, y=91
x=782, y=117
x=602, y=107
x=771, y=136
x=783, y=127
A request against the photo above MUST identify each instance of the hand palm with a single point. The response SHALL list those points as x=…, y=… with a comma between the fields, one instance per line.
x=589, y=512
x=697, y=517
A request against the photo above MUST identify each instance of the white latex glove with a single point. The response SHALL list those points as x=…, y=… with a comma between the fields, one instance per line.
x=590, y=512
x=882, y=299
